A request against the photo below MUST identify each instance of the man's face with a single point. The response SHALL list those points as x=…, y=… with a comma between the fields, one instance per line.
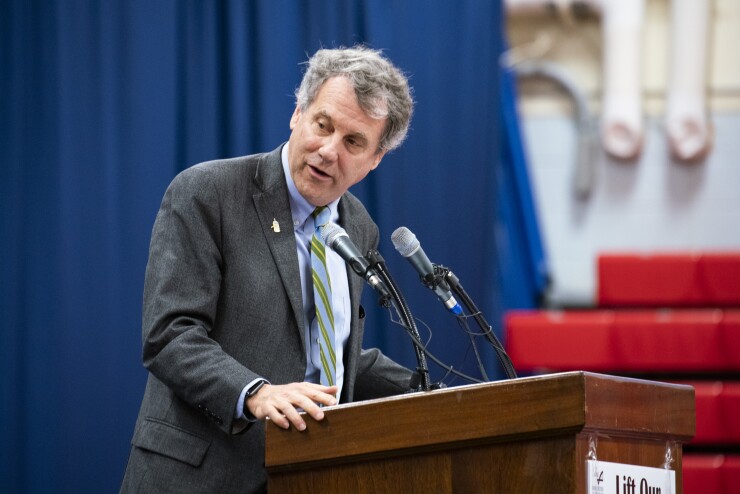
x=333, y=143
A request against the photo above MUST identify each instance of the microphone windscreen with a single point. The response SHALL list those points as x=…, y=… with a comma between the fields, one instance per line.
x=404, y=241
x=330, y=232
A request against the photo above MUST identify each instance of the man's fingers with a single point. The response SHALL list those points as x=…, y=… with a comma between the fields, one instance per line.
x=292, y=416
x=279, y=419
x=280, y=403
x=323, y=397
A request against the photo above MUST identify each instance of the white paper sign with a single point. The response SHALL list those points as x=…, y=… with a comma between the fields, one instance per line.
x=616, y=478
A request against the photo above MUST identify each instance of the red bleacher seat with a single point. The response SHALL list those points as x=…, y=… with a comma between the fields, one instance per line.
x=717, y=412
x=676, y=313
x=668, y=340
x=698, y=340
x=560, y=340
x=710, y=474
x=669, y=280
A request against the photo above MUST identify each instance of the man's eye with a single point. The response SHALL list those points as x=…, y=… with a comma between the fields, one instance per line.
x=355, y=144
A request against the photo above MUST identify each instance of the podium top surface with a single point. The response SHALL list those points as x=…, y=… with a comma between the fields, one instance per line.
x=512, y=410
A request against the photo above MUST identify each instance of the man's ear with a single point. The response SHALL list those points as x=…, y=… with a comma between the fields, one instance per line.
x=378, y=158
x=296, y=116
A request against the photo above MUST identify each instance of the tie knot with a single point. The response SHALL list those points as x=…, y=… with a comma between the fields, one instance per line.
x=321, y=216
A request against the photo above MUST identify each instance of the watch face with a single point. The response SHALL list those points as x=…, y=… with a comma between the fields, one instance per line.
x=256, y=387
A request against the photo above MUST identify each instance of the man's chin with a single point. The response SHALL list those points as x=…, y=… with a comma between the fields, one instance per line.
x=316, y=198
x=316, y=192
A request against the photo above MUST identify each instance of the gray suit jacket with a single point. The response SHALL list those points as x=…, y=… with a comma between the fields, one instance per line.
x=223, y=306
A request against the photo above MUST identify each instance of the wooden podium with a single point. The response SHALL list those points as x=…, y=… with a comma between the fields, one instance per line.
x=527, y=435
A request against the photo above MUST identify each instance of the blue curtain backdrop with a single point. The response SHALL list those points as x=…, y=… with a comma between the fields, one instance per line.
x=102, y=103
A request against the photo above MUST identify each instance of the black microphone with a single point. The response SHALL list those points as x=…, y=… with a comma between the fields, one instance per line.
x=336, y=237
x=409, y=247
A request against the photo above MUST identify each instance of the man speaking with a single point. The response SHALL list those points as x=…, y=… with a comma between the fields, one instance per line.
x=247, y=315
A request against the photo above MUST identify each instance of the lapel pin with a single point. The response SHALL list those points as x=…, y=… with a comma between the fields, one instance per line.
x=275, y=226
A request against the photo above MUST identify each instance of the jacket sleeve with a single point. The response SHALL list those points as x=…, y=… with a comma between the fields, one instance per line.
x=181, y=291
x=378, y=376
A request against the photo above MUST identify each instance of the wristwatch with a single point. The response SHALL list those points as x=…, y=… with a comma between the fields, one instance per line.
x=251, y=391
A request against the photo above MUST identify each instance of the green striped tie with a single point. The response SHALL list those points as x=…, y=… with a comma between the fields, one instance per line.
x=322, y=299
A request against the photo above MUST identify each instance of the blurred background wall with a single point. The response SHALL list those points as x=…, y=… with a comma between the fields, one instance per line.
x=631, y=117
x=654, y=201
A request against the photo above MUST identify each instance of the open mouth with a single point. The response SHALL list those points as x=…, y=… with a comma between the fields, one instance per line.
x=318, y=172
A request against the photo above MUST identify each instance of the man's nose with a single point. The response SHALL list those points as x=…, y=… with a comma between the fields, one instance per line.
x=329, y=150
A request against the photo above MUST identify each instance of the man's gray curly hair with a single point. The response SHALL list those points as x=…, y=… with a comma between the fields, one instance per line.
x=382, y=90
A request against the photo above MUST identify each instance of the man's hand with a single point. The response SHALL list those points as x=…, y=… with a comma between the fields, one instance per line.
x=279, y=402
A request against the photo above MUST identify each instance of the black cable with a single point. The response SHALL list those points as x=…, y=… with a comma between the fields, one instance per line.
x=419, y=344
x=454, y=282
x=462, y=321
x=404, y=313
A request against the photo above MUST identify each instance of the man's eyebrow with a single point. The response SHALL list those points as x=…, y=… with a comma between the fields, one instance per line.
x=360, y=136
x=357, y=135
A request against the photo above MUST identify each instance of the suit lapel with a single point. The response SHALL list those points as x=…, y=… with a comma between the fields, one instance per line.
x=272, y=205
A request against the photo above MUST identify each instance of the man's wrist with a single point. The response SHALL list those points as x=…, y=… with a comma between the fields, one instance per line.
x=255, y=387
x=252, y=390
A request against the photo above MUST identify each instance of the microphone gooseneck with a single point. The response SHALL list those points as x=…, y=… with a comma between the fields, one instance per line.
x=404, y=313
x=442, y=281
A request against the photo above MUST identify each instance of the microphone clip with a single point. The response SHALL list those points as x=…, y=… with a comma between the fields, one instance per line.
x=438, y=278
x=377, y=265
